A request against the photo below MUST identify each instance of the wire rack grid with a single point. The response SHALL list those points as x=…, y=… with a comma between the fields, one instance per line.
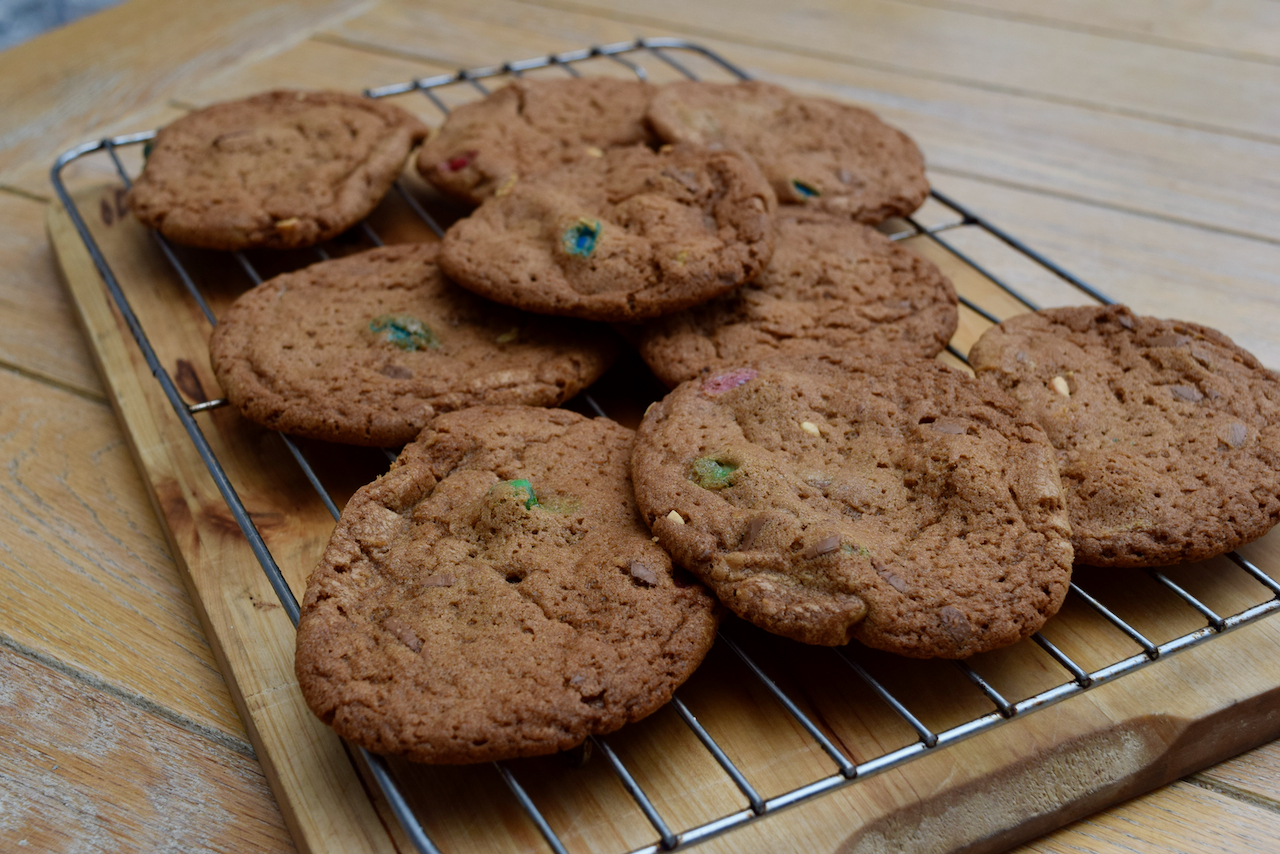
x=636, y=56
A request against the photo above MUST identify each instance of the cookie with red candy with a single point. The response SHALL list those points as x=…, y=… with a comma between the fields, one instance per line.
x=530, y=126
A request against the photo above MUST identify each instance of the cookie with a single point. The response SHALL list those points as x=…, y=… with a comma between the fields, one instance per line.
x=832, y=286
x=496, y=595
x=532, y=126
x=1168, y=434
x=899, y=503
x=281, y=170
x=626, y=236
x=366, y=349
x=822, y=154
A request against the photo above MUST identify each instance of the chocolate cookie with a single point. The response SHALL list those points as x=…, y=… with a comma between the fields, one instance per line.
x=497, y=595
x=901, y=503
x=532, y=126
x=282, y=170
x=1168, y=434
x=366, y=349
x=626, y=236
x=832, y=286
x=819, y=153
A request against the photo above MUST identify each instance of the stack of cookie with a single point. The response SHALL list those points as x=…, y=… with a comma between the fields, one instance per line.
x=504, y=591
x=599, y=200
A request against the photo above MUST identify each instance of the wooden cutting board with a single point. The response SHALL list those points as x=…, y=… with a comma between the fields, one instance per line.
x=1036, y=772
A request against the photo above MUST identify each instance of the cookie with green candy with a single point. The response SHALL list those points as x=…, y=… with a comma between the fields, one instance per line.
x=366, y=349
x=629, y=235
x=896, y=502
x=815, y=152
x=496, y=595
x=531, y=126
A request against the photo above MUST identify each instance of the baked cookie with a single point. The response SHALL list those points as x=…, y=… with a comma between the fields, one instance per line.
x=1168, y=434
x=626, y=236
x=282, y=170
x=497, y=595
x=366, y=349
x=901, y=503
x=531, y=126
x=832, y=286
x=822, y=154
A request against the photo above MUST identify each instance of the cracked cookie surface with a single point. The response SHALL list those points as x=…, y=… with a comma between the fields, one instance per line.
x=900, y=503
x=1168, y=434
x=630, y=235
x=822, y=154
x=831, y=286
x=282, y=170
x=366, y=349
x=497, y=595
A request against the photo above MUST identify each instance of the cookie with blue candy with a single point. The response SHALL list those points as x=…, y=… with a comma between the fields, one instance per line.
x=630, y=235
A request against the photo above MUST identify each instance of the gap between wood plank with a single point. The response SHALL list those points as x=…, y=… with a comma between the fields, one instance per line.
x=383, y=50
x=1103, y=32
x=218, y=737
x=51, y=381
x=26, y=194
x=1202, y=780
x=1096, y=203
x=785, y=47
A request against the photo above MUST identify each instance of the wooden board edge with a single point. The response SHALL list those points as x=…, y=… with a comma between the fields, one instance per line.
x=348, y=819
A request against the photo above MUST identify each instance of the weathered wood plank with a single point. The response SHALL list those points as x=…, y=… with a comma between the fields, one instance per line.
x=325, y=807
x=1255, y=774
x=83, y=771
x=60, y=88
x=312, y=64
x=1181, y=818
x=1016, y=58
x=1223, y=281
x=38, y=331
x=90, y=581
x=1246, y=29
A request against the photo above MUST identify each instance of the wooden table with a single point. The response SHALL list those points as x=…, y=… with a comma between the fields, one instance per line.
x=1138, y=144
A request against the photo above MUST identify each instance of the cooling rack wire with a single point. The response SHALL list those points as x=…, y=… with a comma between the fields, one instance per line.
x=677, y=55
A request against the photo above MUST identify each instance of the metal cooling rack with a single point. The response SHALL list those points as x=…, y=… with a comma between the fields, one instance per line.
x=678, y=55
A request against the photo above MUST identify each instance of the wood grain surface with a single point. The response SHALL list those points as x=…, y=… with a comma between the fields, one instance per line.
x=85, y=771
x=67, y=84
x=1135, y=143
